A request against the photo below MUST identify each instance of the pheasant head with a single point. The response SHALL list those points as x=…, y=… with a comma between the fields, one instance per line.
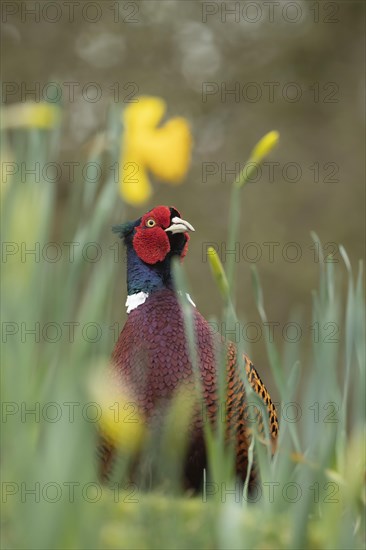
x=152, y=241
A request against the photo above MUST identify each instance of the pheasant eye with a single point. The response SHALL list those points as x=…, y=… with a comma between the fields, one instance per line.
x=150, y=223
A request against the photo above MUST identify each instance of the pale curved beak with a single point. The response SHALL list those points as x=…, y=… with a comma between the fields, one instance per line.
x=179, y=226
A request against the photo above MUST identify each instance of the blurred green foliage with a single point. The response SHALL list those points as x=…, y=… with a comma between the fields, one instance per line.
x=51, y=496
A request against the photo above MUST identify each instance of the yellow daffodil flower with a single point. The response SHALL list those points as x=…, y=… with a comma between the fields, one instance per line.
x=30, y=115
x=120, y=421
x=264, y=146
x=164, y=150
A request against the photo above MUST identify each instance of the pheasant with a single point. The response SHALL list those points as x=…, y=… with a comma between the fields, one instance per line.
x=152, y=356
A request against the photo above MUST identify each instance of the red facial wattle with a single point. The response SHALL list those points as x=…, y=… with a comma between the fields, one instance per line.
x=151, y=245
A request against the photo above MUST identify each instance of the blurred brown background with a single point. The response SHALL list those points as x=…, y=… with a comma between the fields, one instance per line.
x=297, y=67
